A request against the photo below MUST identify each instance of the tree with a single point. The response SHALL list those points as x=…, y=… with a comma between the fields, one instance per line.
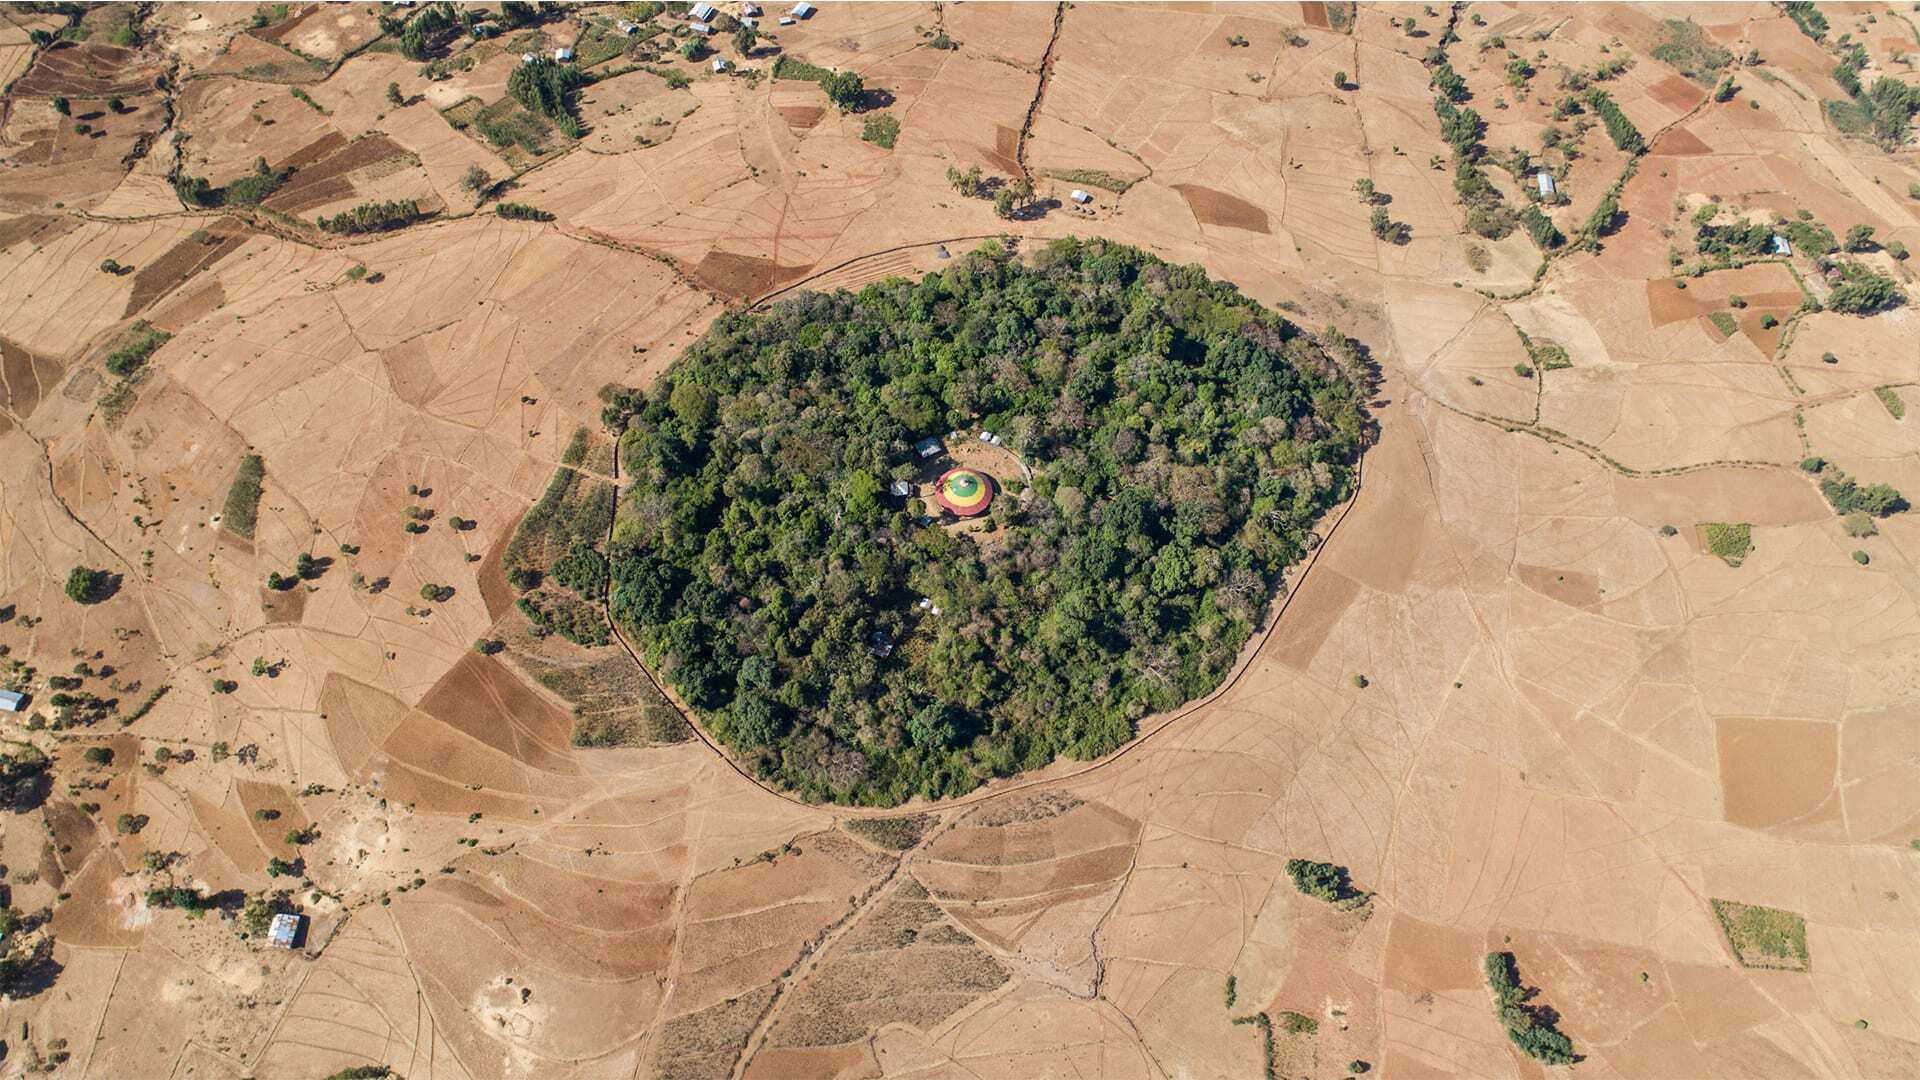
x=845, y=89
x=1003, y=202
x=1365, y=187
x=744, y=40
x=394, y=96
x=1860, y=239
x=477, y=181
x=1340, y=80
x=86, y=585
x=61, y=106
x=966, y=183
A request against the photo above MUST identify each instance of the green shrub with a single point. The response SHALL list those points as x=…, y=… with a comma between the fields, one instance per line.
x=1724, y=322
x=1763, y=937
x=242, y=509
x=1530, y=1028
x=1730, y=542
x=372, y=217
x=522, y=212
x=881, y=129
x=86, y=585
x=140, y=342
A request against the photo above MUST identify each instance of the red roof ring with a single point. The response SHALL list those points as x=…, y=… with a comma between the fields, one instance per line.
x=964, y=492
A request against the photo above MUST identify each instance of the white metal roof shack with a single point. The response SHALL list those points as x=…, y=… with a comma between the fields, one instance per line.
x=700, y=28
x=1781, y=247
x=802, y=10
x=1081, y=197
x=11, y=701
x=284, y=930
x=719, y=65
x=1546, y=183
x=702, y=12
x=786, y=20
x=563, y=55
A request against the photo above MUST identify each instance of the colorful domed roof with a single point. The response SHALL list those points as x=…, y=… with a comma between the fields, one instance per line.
x=964, y=492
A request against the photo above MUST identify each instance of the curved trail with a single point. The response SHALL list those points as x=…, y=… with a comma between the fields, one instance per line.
x=1149, y=730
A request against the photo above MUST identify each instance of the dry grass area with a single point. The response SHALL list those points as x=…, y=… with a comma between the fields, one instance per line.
x=1627, y=707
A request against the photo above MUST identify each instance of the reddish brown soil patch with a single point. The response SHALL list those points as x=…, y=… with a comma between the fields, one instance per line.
x=742, y=276
x=1574, y=588
x=483, y=699
x=1669, y=303
x=1212, y=207
x=324, y=180
x=1679, y=142
x=74, y=835
x=283, y=607
x=1774, y=772
x=359, y=718
x=1314, y=14
x=278, y=32
x=1006, y=148
x=1675, y=92
x=1310, y=617
x=494, y=590
x=273, y=813
x=25, y=378
x=183, y=260
x=194, y=306
x=801, y=117
x=40, y=228
x=88, y=69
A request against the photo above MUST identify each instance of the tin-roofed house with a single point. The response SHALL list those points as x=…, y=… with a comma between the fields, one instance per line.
x=284, y=931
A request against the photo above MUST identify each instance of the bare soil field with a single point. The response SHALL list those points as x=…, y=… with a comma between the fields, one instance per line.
x=1513, y=695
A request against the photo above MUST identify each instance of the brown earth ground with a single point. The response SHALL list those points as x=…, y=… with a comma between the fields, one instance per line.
x=1575, y=728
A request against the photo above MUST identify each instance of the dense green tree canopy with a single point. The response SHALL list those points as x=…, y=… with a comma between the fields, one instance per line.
x=1182, y=440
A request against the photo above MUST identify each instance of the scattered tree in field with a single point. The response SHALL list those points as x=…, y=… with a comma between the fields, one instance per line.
x=1532, y=1029
x=1339, y=80
x=845, y=89
x=394, y=96
x=86, y=585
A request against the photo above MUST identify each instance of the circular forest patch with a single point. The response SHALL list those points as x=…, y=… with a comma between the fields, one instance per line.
x=1183, y=439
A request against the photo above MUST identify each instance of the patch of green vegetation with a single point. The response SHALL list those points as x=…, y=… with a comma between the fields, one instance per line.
x=568, y=616
x=576, y=451
x=1325, y=881
x=1091, y=178
x=1807, y=17
x=1863, y=291
x=1619, y=128
x=546, y=87
x=894, y=833
x=1763, y=937
x=786, y=67
x=1724, y=322
x=372, y=217
x=1891, y=399
x=1687, y=49
x=140, y=341
x=1546, y=354
x=1532, y=1029
x=1732, y=543
x=1299, y=1024
x=775, y=582
x=506, y=124
x=881, y=129
x=254, y=188
x=1848, y=496
x=306, y=99
x=573, y=513
x=243, y=497
x=522, y=212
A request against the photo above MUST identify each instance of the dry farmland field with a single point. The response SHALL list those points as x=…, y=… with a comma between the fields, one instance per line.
x=1446, y=605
